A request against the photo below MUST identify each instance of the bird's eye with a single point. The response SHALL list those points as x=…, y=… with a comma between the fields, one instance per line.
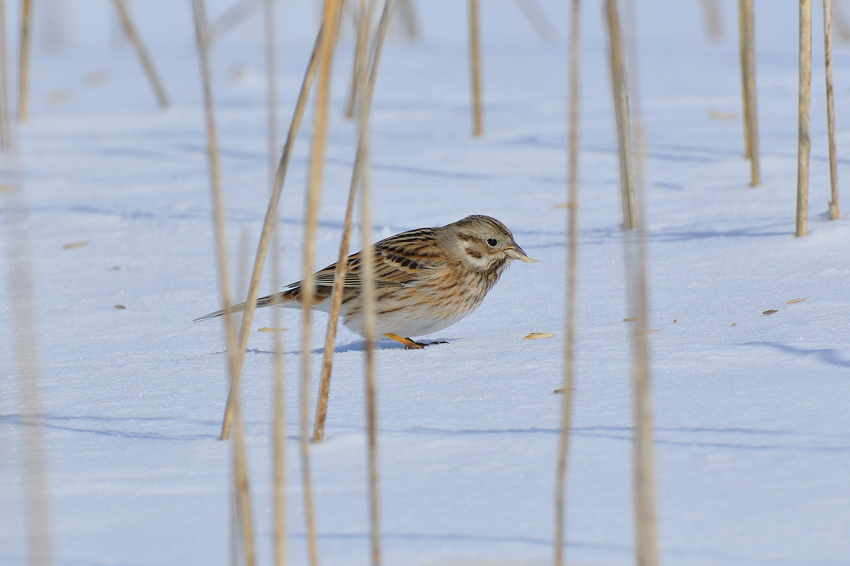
x=492, y=242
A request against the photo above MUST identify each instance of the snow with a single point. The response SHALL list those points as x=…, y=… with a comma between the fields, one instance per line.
x=751, y=417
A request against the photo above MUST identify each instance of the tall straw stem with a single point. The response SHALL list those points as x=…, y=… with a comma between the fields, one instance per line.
x=803, y=139
x=750, y=88
x=317, y=162
x=834, y=213
x=621, y=112
x=475, y=67
x=24, y=65
x=217, y=194
x=572, y=279
x=341, y=264
x=130, y=33
x=5, y=117
x=269, y=224
x=28, y=357
x=360, y=47
x=278, y=407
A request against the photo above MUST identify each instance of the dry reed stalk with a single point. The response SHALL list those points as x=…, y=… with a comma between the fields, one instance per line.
x=5, y=117
x=24, y=65
x=538, y=20
x=572, y=280
x=834, y=213
x=317, y=162
x=130, y=32
x=231, y=19
x=369, y=316
x=361, y=46
x=804, y=142
x=475, y=68
x=278, y=416
x=341, y=265
x=239, y=458
x=27, y=355
x=621, y=111
x=269, y=224
x=742, y=52
x=713, y=18
x=750, y=86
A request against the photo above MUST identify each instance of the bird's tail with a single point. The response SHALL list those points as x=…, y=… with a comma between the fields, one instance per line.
x=273, y=299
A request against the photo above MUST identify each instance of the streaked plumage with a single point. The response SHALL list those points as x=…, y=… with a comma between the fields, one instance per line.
x=425, y=279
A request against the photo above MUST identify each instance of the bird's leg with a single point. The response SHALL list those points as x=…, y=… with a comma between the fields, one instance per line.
x=408, y=343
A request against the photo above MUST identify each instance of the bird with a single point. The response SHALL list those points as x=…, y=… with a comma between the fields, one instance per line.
x=425, y=279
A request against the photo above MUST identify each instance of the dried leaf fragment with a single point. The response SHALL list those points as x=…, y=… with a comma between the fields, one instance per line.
x=792, y=301
x=538, y=335
x=675, y=321
x=120, y=307
x=8, y=188
x=560, y=390
x=631, y=319
x=72, y=245
x=562, y=205
x=271, y=329
x=770, y=311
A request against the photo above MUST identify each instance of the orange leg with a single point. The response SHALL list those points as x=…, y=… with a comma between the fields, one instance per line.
x=408, y=343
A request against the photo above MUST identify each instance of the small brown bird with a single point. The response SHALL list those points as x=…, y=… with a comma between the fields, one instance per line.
x=425, y=279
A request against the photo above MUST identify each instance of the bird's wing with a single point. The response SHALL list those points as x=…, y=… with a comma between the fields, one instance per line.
x=399, y=260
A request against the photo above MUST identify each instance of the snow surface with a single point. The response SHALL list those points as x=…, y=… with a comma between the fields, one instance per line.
x=751, y=411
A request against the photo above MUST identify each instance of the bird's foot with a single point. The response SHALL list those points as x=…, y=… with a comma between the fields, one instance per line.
x=410, y=344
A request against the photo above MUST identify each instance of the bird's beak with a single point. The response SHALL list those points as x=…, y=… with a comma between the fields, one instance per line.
x=515, y=252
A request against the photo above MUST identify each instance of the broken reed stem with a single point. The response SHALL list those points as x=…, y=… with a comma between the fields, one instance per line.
x=841, y=25
x=342, y=264
x=538, y=20
x=750, y=93
x=475, y=68
x=278, y=417
x=28, y=358
x=408, y=15
x=240, y=467
x=834, y=213
x=713, y=18
x=24, y=65
x=572, y=280
x=269, y=224
x=5, y=117
x=621, y=112
x=130, y=32
x=308, y=286
x=803, y=139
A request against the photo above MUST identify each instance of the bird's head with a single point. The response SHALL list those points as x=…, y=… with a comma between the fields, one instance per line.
x=484, y=243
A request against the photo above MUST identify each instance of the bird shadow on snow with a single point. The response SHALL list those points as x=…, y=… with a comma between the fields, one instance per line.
x=831, y=356
x=354, y=346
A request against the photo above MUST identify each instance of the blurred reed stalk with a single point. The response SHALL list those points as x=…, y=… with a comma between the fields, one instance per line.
x=342, y=264
x=475, y=68
x=269, y=224
x=5, y=117
x=407, y=11
x=713, y=20
x=746, y=34
x=24, y=65
x=842, y=28
x=834, y=213
x=28, y=358
x=804, y=141
x=572, y=280
x=130, y=33
x=368, y=269
x=308, y=286
x=278, y=415
x=621, y=112
x=637, y=292
x=240, y=472
x=539, y=22
x=231, y=19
